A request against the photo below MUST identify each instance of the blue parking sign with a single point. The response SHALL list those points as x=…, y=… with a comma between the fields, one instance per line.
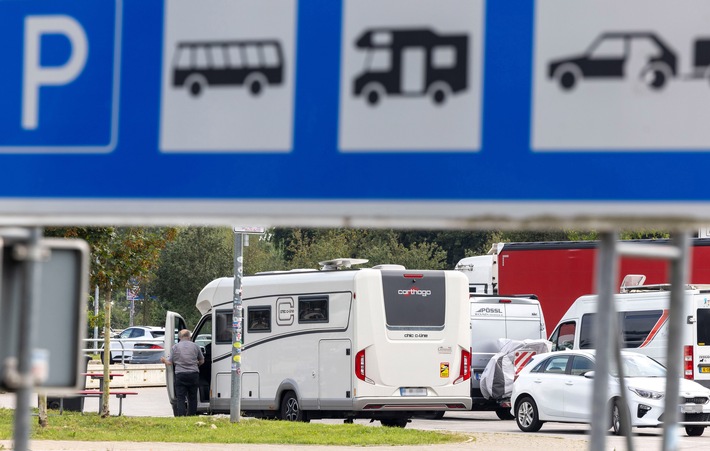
x=59, y=76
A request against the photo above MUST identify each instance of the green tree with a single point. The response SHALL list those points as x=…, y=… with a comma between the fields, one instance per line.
x=197, y=256
x=117, y=256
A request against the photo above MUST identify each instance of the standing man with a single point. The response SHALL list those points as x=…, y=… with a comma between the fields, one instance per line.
x=186, y=357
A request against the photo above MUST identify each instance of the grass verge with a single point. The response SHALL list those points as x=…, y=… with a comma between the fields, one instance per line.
x=206, y=429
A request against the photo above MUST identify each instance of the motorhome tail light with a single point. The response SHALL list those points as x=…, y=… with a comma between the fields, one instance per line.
x=413, y=276
x=465, y=370
x=360, y=365
x=504, y=301
x=688, y=362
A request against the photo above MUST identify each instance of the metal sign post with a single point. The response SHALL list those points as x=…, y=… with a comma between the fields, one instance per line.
x=235, y=402
x=606, y=269
x=31, y=286
x=237, y=317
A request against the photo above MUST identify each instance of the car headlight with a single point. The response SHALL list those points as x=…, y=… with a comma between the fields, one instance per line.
x=648, y=394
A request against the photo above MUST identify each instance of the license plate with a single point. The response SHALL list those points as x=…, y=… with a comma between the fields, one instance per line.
x=691, y=409
x=409, y=391
x=705, y=369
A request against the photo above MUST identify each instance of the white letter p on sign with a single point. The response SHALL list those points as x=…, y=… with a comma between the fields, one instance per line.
x=36, y=76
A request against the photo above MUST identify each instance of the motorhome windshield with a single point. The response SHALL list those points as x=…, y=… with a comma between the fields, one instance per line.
x=414, y=301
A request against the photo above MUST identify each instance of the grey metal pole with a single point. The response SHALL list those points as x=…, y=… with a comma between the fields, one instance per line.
x=236, y=399
x=26, y=339
x=674, y=356
x=96, y=315
x=606, y=272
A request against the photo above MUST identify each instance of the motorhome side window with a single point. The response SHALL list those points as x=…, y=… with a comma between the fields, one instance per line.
x=313, y=309
x=259, y=319
x=703, y=323
x=224, y=326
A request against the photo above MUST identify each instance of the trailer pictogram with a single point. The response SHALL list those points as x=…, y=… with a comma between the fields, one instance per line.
x=412, y=62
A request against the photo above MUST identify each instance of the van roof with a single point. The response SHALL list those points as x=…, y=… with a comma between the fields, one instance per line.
x=665, y=287
x=513, y=299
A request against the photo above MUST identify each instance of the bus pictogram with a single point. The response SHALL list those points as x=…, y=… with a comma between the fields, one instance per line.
x=414, y=62
x=253, y=64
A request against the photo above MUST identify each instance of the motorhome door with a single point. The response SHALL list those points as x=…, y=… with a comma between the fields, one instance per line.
x=174, y=323
x=413, y=70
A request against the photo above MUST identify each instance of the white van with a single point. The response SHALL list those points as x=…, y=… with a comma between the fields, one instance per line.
x=492, y=318
x=643, y=326
x=384, y=343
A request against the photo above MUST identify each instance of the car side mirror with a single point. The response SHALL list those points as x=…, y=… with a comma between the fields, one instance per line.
x=589, y=374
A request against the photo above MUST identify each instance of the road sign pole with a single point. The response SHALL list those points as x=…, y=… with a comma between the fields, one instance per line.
x=606, y=271
x=31, y=283
x=235, y=402
x=674, y=356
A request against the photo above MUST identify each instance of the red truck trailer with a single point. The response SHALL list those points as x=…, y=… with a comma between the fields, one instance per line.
x=561, y=271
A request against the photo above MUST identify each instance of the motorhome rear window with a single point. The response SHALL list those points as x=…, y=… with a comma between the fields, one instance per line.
x=313, y=309
x=414, y=303
x=703, y=324
x=259, y=319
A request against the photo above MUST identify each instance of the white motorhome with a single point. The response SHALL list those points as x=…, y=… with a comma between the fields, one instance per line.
x=643, y=326
x=494, y=318
x=384, y=343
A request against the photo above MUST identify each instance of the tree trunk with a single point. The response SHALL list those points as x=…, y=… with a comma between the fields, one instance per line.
x=107, y=354
x=42, y=408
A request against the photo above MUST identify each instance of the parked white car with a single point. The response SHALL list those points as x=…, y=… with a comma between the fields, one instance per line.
x=122, y=347
x=558, y=387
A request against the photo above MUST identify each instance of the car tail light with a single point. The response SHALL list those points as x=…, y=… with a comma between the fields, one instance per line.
x=360, y=365
x=155, y=347
x=688, y=362
x=465, y=370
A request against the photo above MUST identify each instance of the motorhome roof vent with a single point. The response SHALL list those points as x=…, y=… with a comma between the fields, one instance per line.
x=389, y=266
x=341, y=263
x=631, y=281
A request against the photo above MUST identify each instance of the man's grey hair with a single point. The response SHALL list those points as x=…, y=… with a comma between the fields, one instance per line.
x=184, y=334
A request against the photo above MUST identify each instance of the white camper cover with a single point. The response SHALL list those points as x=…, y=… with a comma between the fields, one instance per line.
x=498, y=377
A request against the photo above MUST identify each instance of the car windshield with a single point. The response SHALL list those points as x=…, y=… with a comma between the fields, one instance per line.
x=639, y=366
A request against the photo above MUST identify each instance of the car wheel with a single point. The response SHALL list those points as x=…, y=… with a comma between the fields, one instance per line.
x=526, y=415
x=616, y=421
x=567, y=75
x=694, y=431
x=290, y=409
x=656, y=76
x=504, y=413
x=395, y=422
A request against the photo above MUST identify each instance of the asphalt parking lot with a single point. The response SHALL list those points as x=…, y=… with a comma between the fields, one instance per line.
x=490, y=433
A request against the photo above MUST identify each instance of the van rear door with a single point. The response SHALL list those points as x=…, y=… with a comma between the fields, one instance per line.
x=523, y=321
